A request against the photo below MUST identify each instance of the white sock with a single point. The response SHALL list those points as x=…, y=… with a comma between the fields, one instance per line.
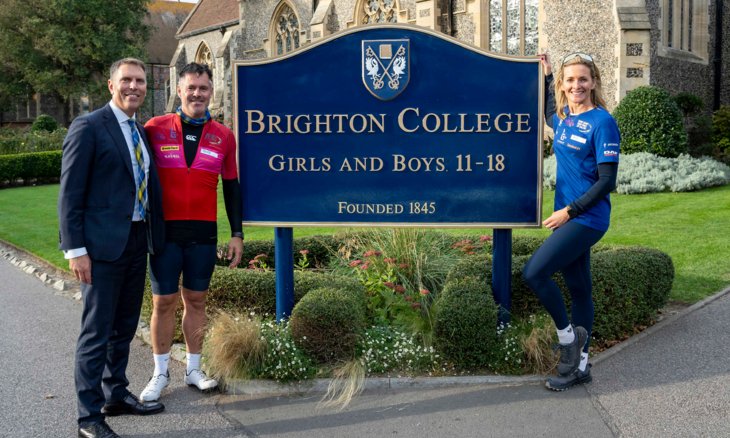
x=193, y=361
x=566, y=335
x=583, y=361
x=161, y=362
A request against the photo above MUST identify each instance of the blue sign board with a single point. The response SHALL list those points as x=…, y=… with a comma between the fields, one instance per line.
x=390, y=125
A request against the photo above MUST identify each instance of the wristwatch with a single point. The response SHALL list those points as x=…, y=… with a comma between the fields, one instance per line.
x=571, y=213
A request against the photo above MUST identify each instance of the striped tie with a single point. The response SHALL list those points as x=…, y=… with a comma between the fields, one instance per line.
x=141, y=179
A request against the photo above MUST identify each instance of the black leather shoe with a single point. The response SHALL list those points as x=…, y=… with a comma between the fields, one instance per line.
x=131, y=405
x=97, y=430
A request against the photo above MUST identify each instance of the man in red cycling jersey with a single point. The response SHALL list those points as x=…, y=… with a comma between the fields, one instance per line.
x=190, y=151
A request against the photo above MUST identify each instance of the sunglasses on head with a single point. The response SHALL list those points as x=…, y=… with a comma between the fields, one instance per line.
x=580, y=55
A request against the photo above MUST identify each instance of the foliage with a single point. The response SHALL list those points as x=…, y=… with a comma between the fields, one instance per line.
x=284, y=361
x=420, y=259
x=65, y=47
x=327, y=322
x=650, y=121
x=479, y=267
x=465, y=323
x=537, y=337
x=246, y=346
x=320, y=250
x=13, y=141
x=629, y=287
x=646, y=173
x=688, y=103
x=643, y=172
x=39, y=165
x=234, y=347
x=384, y=349
x=45, y=123
x=236, y=289
x=721, y=129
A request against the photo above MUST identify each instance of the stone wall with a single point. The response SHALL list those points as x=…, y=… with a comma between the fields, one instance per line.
x=676, y=75
x=587, y=26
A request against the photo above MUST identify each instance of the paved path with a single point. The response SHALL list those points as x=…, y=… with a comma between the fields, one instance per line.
x=671, y=381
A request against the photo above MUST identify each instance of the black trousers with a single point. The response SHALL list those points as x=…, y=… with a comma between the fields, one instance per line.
x=112, y=305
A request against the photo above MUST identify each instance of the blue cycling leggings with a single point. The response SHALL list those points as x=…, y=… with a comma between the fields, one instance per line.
x=567, y=250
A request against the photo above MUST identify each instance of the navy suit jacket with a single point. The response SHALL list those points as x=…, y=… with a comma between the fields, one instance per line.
x=97, y=192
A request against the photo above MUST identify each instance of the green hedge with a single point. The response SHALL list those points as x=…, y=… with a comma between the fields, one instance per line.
x=13, y=141
x=321, y=250
x=37, y=165
x=465, y=323
x=630, y=284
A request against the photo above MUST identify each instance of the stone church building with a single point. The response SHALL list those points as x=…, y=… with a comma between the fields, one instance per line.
x=680, y=45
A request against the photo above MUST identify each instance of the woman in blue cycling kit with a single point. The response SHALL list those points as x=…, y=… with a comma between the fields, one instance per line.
x=586, y=147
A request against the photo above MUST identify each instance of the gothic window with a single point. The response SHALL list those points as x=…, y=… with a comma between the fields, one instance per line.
x=378, y=11
x=204, y=55
x=513, y=26
x=685, y=26
x=286, y=30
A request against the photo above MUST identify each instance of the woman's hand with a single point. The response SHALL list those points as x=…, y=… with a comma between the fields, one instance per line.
x=557, y=219
x=547, y=69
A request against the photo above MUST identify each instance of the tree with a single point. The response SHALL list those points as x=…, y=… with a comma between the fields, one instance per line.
x=65, y=47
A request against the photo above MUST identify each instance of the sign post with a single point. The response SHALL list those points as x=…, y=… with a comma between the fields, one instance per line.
x=391, y=126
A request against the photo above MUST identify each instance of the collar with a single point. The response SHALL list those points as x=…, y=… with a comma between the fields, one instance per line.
x=121, y=116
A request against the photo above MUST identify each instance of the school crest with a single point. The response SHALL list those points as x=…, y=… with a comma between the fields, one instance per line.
x=386, y=67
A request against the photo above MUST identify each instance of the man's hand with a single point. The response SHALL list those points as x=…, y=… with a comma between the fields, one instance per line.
x=235, y=251
x=81, y=268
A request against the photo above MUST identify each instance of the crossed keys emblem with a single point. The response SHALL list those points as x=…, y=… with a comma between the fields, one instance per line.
x=385, y=73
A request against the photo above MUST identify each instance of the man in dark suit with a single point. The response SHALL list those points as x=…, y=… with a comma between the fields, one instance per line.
x=109, y=209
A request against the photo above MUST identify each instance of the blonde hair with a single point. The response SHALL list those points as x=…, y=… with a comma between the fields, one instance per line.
x=596, y=93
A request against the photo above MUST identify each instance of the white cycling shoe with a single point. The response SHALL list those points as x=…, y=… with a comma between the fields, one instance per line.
x=154, y=387
x=200, y=380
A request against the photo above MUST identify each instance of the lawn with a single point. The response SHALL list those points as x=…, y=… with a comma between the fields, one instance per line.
x=693, y=228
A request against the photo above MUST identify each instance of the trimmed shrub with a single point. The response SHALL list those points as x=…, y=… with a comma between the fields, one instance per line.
x=38, y=165
x=479, y=267
x=646, y=173
x=254, y=290
x=465, y=323
x=526, y=245
x=44, y=122
x=642, y=172
x=327, y=323
x=650, y=121
x=20, y=141
x=629, y=286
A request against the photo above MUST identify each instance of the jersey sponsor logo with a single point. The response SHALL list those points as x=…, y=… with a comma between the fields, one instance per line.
x=173, y=134
x=209, y=153
x=213, y=139
x=572, y=146
x=580, y=140
x=160, y=136
x=610, y=153
x=583, y=126
x=562, y=138
x=191, y=137
x=569, y=121
x=169, y=148
x=171, y=156
x=610, y=145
